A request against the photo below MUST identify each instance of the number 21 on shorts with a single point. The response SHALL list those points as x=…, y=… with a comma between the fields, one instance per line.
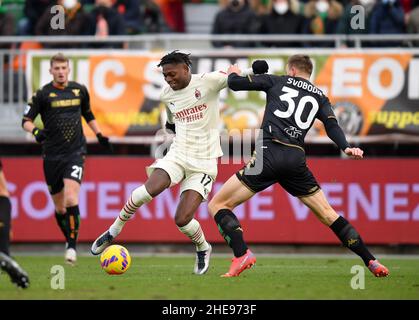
x=77, y=172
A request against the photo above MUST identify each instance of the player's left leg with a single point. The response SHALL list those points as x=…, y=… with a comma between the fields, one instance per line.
x=232, y=194
x=190, y=200
x=346, y=233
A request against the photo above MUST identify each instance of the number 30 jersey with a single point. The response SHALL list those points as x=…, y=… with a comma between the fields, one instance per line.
x=292, y=105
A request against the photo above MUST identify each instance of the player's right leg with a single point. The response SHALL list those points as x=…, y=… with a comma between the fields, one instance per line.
x=232, y=194
x=346, y=233
x=53, y=172
x=158, y=181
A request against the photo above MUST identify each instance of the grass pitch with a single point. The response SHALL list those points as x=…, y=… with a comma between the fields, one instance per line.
x=272, y=278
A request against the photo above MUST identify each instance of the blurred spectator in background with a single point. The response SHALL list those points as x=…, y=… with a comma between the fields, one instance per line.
x=75, y=24
x=413, y=24
x=282, y=19
x=322, y=17
x=33, y=11
x=104, y=21
x=387, y=18
x=261, y=7
x=236, y=18
x=152, y=18
x=173, y=14
x=409, y=5
x=345, y=26
x=130, y=10
x=7, y=25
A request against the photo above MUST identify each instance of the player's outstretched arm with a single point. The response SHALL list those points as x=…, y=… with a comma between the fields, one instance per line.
x=336, y=134
x=261, y=82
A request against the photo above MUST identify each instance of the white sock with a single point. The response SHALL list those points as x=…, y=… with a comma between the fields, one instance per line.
x=138, y=197
x=194, y=232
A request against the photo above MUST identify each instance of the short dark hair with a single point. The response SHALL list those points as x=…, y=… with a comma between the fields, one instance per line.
x=301, y=62
x=176, y=57
x=59, y=57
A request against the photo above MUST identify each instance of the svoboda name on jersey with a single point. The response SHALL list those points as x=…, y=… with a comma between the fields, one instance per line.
x=304, y=85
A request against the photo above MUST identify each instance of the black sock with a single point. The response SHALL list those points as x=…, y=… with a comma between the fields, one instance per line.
x=62, y=223
x=5, y=219
x=73, y=221
x=351, y=239
x=230, y=228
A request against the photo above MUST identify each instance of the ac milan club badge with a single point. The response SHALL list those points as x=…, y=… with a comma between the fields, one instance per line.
x=197, y=94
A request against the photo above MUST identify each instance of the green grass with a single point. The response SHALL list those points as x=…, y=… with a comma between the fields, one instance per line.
x=172, y=278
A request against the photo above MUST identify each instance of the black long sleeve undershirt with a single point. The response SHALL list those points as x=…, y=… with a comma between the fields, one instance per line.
x=335, y=133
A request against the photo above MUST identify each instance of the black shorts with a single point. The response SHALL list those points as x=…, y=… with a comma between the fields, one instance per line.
x=58, y=169
x=278, y=163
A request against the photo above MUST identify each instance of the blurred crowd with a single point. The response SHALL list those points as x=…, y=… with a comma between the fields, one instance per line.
x=122, y=17
x=315, y=17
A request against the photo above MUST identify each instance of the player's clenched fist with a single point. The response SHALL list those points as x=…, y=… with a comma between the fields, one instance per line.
x=355, y=153
x=234, y=69
x=104, y=142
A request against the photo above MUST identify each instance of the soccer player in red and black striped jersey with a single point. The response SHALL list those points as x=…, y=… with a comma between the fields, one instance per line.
x=7, y=264
x=293, y=103
x=61, y=104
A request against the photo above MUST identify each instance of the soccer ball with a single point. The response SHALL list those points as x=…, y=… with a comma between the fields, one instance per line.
x=115, y=259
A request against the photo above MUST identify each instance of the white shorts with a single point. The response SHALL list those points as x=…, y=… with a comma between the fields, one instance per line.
x=191, y=173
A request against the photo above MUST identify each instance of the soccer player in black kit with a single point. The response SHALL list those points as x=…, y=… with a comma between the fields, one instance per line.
x=7, y=264
x=61, y=104
x=293, y=103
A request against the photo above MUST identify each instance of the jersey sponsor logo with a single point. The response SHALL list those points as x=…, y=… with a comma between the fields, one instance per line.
x=191, y=114
x=52, y=95
x=65, y=103
x=76, y=92
x=293, y=132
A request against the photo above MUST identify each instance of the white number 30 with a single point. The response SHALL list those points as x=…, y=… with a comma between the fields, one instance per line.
x=289, y=98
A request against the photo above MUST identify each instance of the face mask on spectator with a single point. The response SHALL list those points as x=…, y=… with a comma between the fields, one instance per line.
x=69, y=4
x=281, y=7
x=322, y=6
